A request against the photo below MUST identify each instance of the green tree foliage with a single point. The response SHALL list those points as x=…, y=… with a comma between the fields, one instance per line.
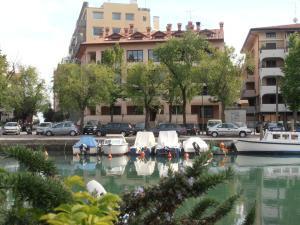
x=144, y=86
x=27, y=93
x=223, y=77
x=3, y=80
x=158, y=204
x=78, y=87
x=113, y=58
x=180, y=56
x=290, y=82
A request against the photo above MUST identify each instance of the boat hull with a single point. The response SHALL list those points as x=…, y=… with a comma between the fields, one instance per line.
x=249, y=146
x=165, y=151
x=115, y=149
x=92, y=151
x=138, y=151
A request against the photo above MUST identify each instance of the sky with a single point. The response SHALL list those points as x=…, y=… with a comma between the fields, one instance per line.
x=38, y=32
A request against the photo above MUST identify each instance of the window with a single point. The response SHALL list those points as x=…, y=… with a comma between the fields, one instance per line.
x=116, y=30
x=271, y=63
x=270, y=45
x=97, y=31
x=270, y=35
x=177, y=109
x=105, y=110
x=135, y=56
x=92, y=110
x=129, y=16
x=271, y=81
x=135, y=110
x=144, y=18
x=152, y=56
x=116, y=16
x=68, y=125
x=92, y=57
x=208, y=110
x=98, y=15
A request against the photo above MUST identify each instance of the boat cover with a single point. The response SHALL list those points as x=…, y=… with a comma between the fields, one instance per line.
x=144, y=139
x=188, y=144
x=168, y=139
x=88, y=140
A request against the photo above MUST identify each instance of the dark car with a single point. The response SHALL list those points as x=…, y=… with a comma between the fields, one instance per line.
x=169, y=126
x=91, y=127
x=274, y=127
x=192, y=128
x=115, y=128
x=139, y=127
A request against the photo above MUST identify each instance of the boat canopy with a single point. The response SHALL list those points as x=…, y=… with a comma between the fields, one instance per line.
x=88, y=140
x=168, y=139
x=144, y=139
x=188, y=144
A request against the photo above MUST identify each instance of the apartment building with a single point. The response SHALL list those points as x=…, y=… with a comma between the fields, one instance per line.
x=138, y=47
x=268, y=47
x=93, y=21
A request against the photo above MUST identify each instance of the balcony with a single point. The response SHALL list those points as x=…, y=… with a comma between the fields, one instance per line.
x=272, y=108
x=248, y=93
x=272, y=53
x=271, y=71
x=268, y=90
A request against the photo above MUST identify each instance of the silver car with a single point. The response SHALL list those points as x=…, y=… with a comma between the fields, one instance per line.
x=42, y=127
x=11, y=128
x=63, y=128
x=228, y=129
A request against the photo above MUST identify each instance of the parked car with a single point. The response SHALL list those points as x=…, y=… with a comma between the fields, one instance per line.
x=91, y=127
x=42, y=127
x=11, y=128
x=228, y=129
x=139, y=127
x=63, y=128
x=211, y=123
x=273, y=126
x=125, y=129
x=192, y=128
x=169, y=126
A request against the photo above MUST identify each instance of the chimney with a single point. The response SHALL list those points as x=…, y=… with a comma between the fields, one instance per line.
x=169, y=27
x=156, y=23
x=106, y=31
x=148, y=29
x=190, y=26
x=221, y=26
x=198, y=26
x=131, y=28
x=179, y=26
x=126, y=31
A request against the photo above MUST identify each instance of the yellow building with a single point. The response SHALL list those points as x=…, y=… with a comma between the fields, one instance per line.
x=268, y=47
x=138, y=47
x=93, y=22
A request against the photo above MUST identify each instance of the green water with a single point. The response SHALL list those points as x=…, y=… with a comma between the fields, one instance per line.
x=273, y=182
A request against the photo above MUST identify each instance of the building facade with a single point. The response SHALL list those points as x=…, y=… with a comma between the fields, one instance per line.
x=268, y=47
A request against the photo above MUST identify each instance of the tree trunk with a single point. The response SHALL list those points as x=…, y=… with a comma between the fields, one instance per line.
x=183, y=106
x=147, y=115
x=81, y=120
x=223, y=112
x=170, y=112
x=111, y=107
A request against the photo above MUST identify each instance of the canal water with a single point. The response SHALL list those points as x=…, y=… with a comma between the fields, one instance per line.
x=272, y=183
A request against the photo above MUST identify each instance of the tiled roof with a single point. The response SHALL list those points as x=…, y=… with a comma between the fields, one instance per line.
x=279, y=27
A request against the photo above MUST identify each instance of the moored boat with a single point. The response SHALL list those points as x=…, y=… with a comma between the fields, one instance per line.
x=272, y=142
x=87, y=145
x=168, y=143
x=195, y=145
x=114, y=144
x=144, y=142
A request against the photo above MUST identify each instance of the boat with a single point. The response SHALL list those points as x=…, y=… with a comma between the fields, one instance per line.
x=114, y=166
x=272, y=142
x=261, y=160
x=195, y=145
x=87, y=145
x=144, y=142
x=168, y=142
x=114, y=144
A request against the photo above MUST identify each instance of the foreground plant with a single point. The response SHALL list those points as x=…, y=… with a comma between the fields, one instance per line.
x=158, y=204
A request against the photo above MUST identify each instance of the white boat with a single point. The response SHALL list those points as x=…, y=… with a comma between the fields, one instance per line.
x=144, y=142
x=261, y=161
x=114, y=166
x=188, y=145
x=114, y=144
x=86, y=145
x=144, y=168
x=272, y=142
x=168, y=142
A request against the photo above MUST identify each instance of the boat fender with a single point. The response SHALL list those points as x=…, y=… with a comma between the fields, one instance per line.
x=196, y=147
x=94, y=187
x=84, y=148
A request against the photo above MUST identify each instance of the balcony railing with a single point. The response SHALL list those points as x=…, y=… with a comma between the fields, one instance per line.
x=272, y=53
x=271, y=71
x=272, y=108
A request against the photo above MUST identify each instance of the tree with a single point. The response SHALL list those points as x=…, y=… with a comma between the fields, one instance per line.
x=290, y=82
x=180, y=55
x=80, y=86
x=3, y=80
x=113, y=58
x=27, y=94
x=144, y=86
x=223, y=77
